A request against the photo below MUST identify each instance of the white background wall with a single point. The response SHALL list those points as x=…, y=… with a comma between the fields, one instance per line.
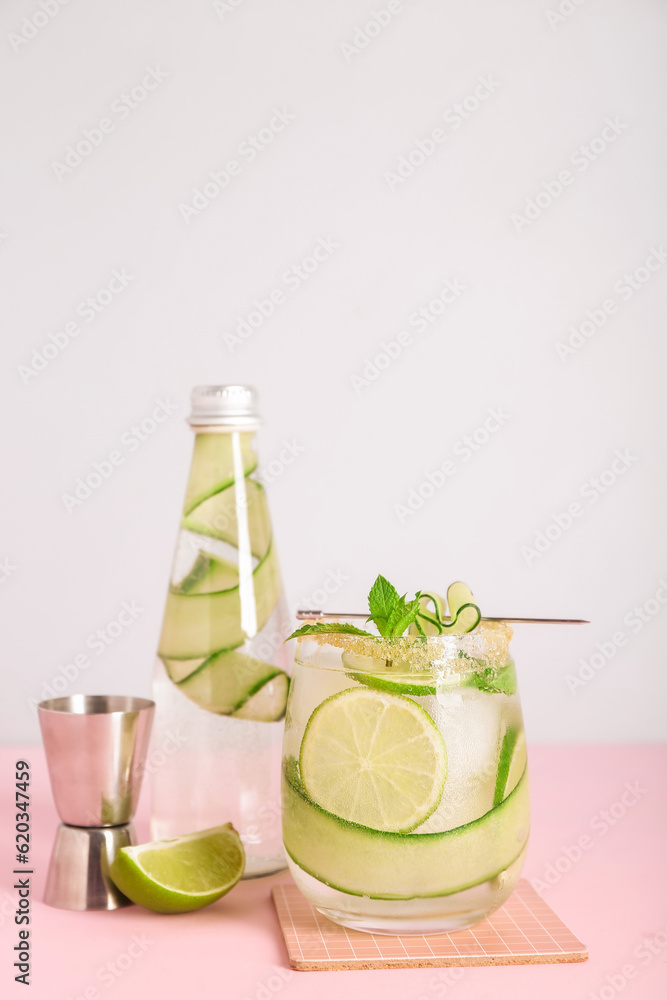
x=555, y=80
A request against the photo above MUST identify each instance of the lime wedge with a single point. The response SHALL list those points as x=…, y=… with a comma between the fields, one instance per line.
x=373, y=758
x=174, y=876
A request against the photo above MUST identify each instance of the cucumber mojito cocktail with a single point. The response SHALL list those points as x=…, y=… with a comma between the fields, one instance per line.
x=405, y=791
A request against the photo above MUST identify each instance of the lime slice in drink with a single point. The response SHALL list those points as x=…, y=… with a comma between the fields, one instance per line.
x=377, y=673
x=400, y=679
x=373, y=758
x=174, y=876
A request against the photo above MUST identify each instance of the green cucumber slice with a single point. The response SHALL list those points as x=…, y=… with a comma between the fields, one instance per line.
x=209, y=575
x=212, y=468
x=217, y=516
x=227, y=681
x=504, y=761
x=178, y=670
x=365, y=862
x=463, y=612
x=464, y=615
x=269, y=703
x=199, y=624
x=512, y=760
x=429, y=623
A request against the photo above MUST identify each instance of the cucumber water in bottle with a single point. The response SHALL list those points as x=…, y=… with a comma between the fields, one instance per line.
x=221, y=681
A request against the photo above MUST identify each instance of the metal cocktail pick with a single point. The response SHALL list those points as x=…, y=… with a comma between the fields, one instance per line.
x=301, y=615
x=96, y=749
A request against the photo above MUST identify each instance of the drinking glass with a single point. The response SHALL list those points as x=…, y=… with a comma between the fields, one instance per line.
x=405, y=785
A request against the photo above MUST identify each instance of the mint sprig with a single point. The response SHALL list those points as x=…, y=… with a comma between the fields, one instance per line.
x=402, y=616
x=383, y=600
x=391, y=614
x=324, y=628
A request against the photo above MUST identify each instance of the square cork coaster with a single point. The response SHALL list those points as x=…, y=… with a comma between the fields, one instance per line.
x=524, y=930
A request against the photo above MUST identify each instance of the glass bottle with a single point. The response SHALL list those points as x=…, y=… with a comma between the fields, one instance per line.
x=221, y=679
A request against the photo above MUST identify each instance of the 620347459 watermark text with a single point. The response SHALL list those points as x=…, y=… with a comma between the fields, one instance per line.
x=22, y=947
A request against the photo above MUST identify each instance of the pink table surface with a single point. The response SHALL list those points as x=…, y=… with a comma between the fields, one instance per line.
x=598, y=848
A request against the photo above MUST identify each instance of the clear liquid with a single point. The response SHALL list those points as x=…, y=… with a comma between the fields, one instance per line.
x=410, y=917
x=473, y=724
x=208, y=769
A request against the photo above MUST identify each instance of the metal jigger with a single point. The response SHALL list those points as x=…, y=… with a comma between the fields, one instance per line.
x=96, y=749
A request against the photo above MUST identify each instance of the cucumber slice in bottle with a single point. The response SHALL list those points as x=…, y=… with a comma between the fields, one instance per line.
x=217, y=517
x=268, y=704
x=199, y=624
x=208, y=575
x=178, y=670
x=228, y=680
x=220, y=604
x=383, y=865
x=213, y=467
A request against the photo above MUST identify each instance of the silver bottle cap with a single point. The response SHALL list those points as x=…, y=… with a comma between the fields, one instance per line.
x=225, y=406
